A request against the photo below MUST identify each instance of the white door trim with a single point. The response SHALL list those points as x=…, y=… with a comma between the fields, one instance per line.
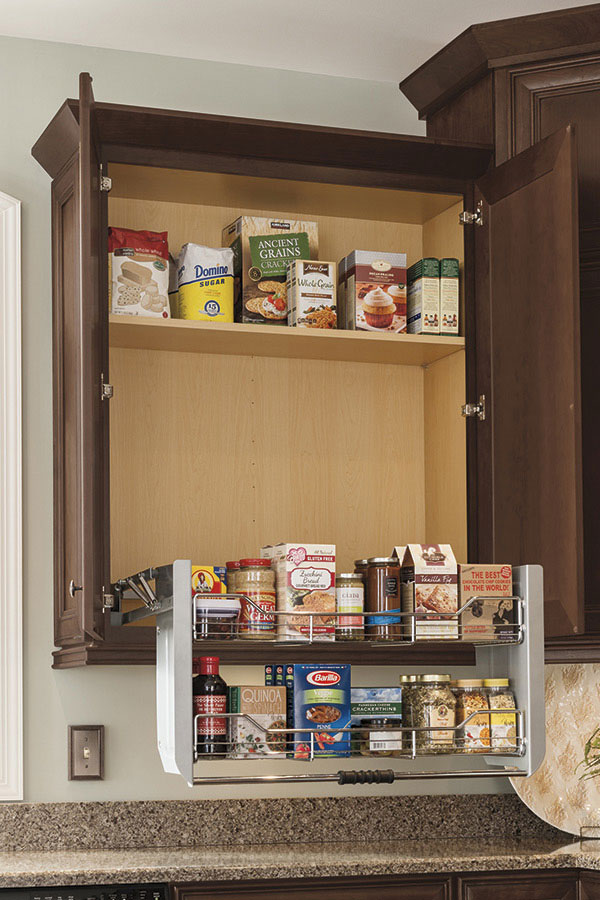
x=11, y=533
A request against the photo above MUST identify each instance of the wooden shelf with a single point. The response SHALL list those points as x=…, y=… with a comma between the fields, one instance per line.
x=425, y=653
x=276, y=341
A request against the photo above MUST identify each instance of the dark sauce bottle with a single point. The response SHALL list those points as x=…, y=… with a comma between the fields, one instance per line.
x=209, y=697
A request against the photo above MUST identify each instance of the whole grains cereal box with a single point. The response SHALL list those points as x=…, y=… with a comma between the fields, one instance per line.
x=430, y=589
x=305, y=581
x=209, y=580
x=262, y=250
x=322, y=703
x=492, y=615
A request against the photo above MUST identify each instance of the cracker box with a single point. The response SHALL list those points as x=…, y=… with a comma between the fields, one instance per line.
x=266, y=705
x=374, y=291
x=370, y=706
x=322, y=702
x=262, y=249
x=430, y=589
x=492, y=617
x=209, y=580
x=423, y=308
x=311, y=290
x=449, y=296
x=305, y=580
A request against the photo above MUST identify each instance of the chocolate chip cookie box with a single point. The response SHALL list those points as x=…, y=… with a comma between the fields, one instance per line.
x=430, y=590
x=492, y=614
x=262, y=250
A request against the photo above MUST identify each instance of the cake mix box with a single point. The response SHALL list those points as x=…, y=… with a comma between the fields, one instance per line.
x=493, y=614
x=430, y=586
x=305, y=582
x=374, y=291
x=262, y=250
x=322, y=702
x=265, y=707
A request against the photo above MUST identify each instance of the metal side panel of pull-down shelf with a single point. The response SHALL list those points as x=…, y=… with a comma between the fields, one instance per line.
x=522, y=662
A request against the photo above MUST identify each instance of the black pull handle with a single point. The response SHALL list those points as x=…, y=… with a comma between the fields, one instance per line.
x=369, y=776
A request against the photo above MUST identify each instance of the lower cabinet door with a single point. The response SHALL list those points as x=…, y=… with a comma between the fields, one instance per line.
x=519, y=886
x=409, y=887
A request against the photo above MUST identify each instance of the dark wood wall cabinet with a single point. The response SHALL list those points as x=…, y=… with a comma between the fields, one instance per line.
x=137, y=483
x=511, y=84
x=562, y=884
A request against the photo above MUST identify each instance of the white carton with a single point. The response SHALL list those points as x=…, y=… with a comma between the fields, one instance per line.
x=430, y=587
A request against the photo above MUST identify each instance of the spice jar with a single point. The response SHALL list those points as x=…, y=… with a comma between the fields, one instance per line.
x=503, y=725
x=216, y=619
x=379, y=743
x=256, y=580
x=408, y=682
x=350, y=605
x=433, y=705
x=233, y=567
x=383, y=595
x=470, y=698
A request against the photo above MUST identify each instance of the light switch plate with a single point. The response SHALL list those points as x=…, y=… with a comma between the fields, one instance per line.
x=86, y=752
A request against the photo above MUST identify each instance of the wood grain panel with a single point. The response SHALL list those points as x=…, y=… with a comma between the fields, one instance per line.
x=446, y=455
x=404, y=887
x=213, y=456
x=519, y=886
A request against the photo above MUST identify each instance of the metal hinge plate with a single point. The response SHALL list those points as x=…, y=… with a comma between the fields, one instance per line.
x=106, y=390
x=105, y=182
x=470, y=410
x=470, y=218
x=108, y=599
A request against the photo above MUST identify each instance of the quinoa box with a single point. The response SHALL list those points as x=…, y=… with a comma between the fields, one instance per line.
x=322, y=702
x=492, y=616
x=262, y=250
x=265, y=705
x=430, y=586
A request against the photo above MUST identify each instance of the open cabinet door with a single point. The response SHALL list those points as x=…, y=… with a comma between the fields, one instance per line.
x=529, y=492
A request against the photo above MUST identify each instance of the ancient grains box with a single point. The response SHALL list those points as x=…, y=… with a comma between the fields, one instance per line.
x=311, y=290
x=322, y=702
x=494, y=615
x=374, y=291
x=430, y=589
x=266, y=707
x=449, y=296
x=424, y=297
x=305, y=581
x=262, y=249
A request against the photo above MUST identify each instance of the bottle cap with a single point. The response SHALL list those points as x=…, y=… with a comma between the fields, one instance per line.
x=232, y=564
x=496, y=682
x=209, y=665
x=246, y=563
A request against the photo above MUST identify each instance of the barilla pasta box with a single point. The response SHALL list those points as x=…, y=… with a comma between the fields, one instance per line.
x=262, y=250
x=374, y=291
x=430, y=590
x=209, y=580
x=305, y=580
x=491, y=615
x=322, y=703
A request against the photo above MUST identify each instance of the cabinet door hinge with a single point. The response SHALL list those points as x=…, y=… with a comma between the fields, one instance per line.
x=105, y=182
x=474, y=409
x=108, y=600
x=106, y=390
x=472, y=218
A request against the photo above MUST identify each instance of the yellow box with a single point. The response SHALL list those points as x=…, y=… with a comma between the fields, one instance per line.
x=205, y=284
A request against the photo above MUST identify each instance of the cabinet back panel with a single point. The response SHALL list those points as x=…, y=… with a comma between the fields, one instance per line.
x=213, y=456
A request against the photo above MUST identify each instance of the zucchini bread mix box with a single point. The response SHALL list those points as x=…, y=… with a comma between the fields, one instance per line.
x=262, y=250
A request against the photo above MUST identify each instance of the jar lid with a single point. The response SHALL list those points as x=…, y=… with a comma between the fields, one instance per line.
x=353, y=576
x=496, y=682
x=383, y=560
x=361, y=562
x=211, y=606
x=428, y=679
x=252, y=563
x=408, y=679
x=232, y=564
x=468, y=682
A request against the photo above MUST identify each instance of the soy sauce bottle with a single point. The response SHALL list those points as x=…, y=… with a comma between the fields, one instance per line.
x=209, y=696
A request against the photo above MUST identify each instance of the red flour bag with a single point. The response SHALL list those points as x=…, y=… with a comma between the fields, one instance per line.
x=138, y=263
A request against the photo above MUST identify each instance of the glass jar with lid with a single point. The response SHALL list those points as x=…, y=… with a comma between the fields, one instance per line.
x=433, y=706
x=407, y=683
x=503, y=724
x=233, y=567
x=350, y=606
x=216, y=617
x=256, y=580
x=471, y=697
x=383, y=596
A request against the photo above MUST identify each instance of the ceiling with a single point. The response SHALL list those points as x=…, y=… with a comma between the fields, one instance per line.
x=380, y=40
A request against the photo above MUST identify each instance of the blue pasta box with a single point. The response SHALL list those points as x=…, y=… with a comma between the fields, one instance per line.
x=322, y=702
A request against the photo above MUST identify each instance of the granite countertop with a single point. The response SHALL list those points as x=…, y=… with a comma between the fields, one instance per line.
x=47, y=868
